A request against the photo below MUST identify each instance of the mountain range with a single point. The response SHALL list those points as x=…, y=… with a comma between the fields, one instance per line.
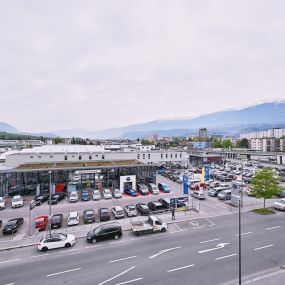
x=229, y=122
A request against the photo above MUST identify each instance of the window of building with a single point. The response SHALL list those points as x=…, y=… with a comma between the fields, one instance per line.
x=143, y=156
x=103, y=156
x=161, y=155
x=180, y=155
x=31, y=157
x=65, y=157
x=90, y=157
x=166, y=155
x=171, y=155
x=175, y=155
x=80, y=157
x=138, y=156
x=148, y=156
x=51, y=156
x=39, y=157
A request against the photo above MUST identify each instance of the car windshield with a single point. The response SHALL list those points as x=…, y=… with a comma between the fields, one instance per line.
x=73, y=218
x=144, y=207
x=89, y=214
x=282, y=201
x=97, y=230
x=17, y=199
x=131, y=208
x=11, y=223
x=55, y=196
x=1, y=199
x=56, y=219
x=104, y=211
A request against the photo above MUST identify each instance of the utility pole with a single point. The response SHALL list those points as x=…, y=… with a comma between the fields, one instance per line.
x=49, y=202
x=239, y=242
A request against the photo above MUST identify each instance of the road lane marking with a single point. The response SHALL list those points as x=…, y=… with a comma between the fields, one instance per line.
x=179, y=268
x=67, y=251
x=130, y=281
x=124, y=258
x=258, y=248
x=273, y=228
x=163, y=251
x=11, y=260
x=10, y=284
x=112, y=278
x=226, y=256
x=219, y=246
x=243, y=234
x=92, y=246
x=62, y=272
x=40, y=255
x=212, y=223
x=205, y=241
x=178, y=227
x=116, y=242
x=263, y=277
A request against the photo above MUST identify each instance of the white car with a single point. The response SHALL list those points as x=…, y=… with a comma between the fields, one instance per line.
x=153, y=189
x=107, y=194
x=117, y=193
x=73, y=197
x=130, y=210
x=73, y=219
x=17, y=201
x=2, y=203
x=118, y=212
x=280, y=205
x=96, y=195
x=56, y=240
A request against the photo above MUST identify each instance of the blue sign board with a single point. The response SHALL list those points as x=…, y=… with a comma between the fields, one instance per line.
x=185, y=185
x=207, y=172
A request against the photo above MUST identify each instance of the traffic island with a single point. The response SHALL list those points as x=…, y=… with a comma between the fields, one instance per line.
x=263, y=211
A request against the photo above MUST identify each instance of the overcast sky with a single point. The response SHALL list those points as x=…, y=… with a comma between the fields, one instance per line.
x=101, y=64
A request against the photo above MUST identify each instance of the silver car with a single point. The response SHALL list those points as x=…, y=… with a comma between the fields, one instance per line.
x=117, y=193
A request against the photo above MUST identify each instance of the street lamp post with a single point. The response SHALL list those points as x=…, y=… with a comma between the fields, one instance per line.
x=50, y=202
x=239, y=241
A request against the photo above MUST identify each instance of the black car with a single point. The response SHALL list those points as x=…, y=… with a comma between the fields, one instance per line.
x=281, y=194
x=57, y=197
x=40, y=199
x=0, y=223
x=12, y=226
x=104, y=232
x=56, y=221
x=155, y=206
x=142, y=209
x=104, y=214
x=89, y=216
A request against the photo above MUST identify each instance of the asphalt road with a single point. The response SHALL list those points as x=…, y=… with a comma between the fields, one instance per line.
x=203, y=252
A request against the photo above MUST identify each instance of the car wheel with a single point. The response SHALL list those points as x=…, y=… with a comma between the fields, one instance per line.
x=44, y=249
x=94, y=240
x=67, y=245
x=163, y=230
x=116, y=237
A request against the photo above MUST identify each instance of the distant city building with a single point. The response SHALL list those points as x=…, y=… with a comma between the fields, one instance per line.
x=217, y=136
x=267, y=144
x=203, y=133
x=271, y=133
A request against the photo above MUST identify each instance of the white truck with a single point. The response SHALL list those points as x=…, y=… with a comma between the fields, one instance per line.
x=153, y=224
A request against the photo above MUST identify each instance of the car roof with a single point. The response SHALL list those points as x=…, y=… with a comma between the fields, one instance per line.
x=73, y=214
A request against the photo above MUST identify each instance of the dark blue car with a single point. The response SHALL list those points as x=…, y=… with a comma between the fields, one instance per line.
x=131, y=192
x=163, y=187
x=85, y=196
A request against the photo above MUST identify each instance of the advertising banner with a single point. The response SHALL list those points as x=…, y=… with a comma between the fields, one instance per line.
x=207, y=173
x=185, y=185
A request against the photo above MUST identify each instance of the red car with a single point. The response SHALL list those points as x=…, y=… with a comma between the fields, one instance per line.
x=41, y=222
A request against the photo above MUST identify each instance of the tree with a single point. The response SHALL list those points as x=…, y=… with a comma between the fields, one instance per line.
x=265, y=184
x=243, y=143
x=146, y=142
x=227, y=143
x=58, y=140
x=217, y=144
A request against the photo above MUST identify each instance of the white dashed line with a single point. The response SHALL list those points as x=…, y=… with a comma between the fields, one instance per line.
x=124, y=258
x=243, y=234
x=11, y=260
x=69, y=250
x=277, y=227
x=112, y=278
x=92, y=246
x=62, y=272
x=40, y=255
x=130, y=281
x=179, y=268
x=205, y=241
x=258, y=248
x=223, y=257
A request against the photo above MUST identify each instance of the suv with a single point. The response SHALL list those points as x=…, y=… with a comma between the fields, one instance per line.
x=104, y=214
x=88, y=216
x=55, y=198
x=40, y=199
x=198, y=195
x=56, y=221
x=215, y=191
x=155, y=206
x=104, y=232
x=225, y=195
x=17, y=201
x=142, y=188
x=153, y=188
x=12, y=226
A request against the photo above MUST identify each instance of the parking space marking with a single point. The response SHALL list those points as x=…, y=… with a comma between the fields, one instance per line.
x=11, y=260
x=226, y=256
x=67, y=251
x=212, y=223
x=277, y=227
x=120, y=274
x=62, y=272
x=92, y=246
x=243, y=234
x=178, y=227
x=10, y=284
x=206, y=241
x=258, y=248
x=179, y=268
x=130, y=281
x=124, y=258
x=163, y=251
